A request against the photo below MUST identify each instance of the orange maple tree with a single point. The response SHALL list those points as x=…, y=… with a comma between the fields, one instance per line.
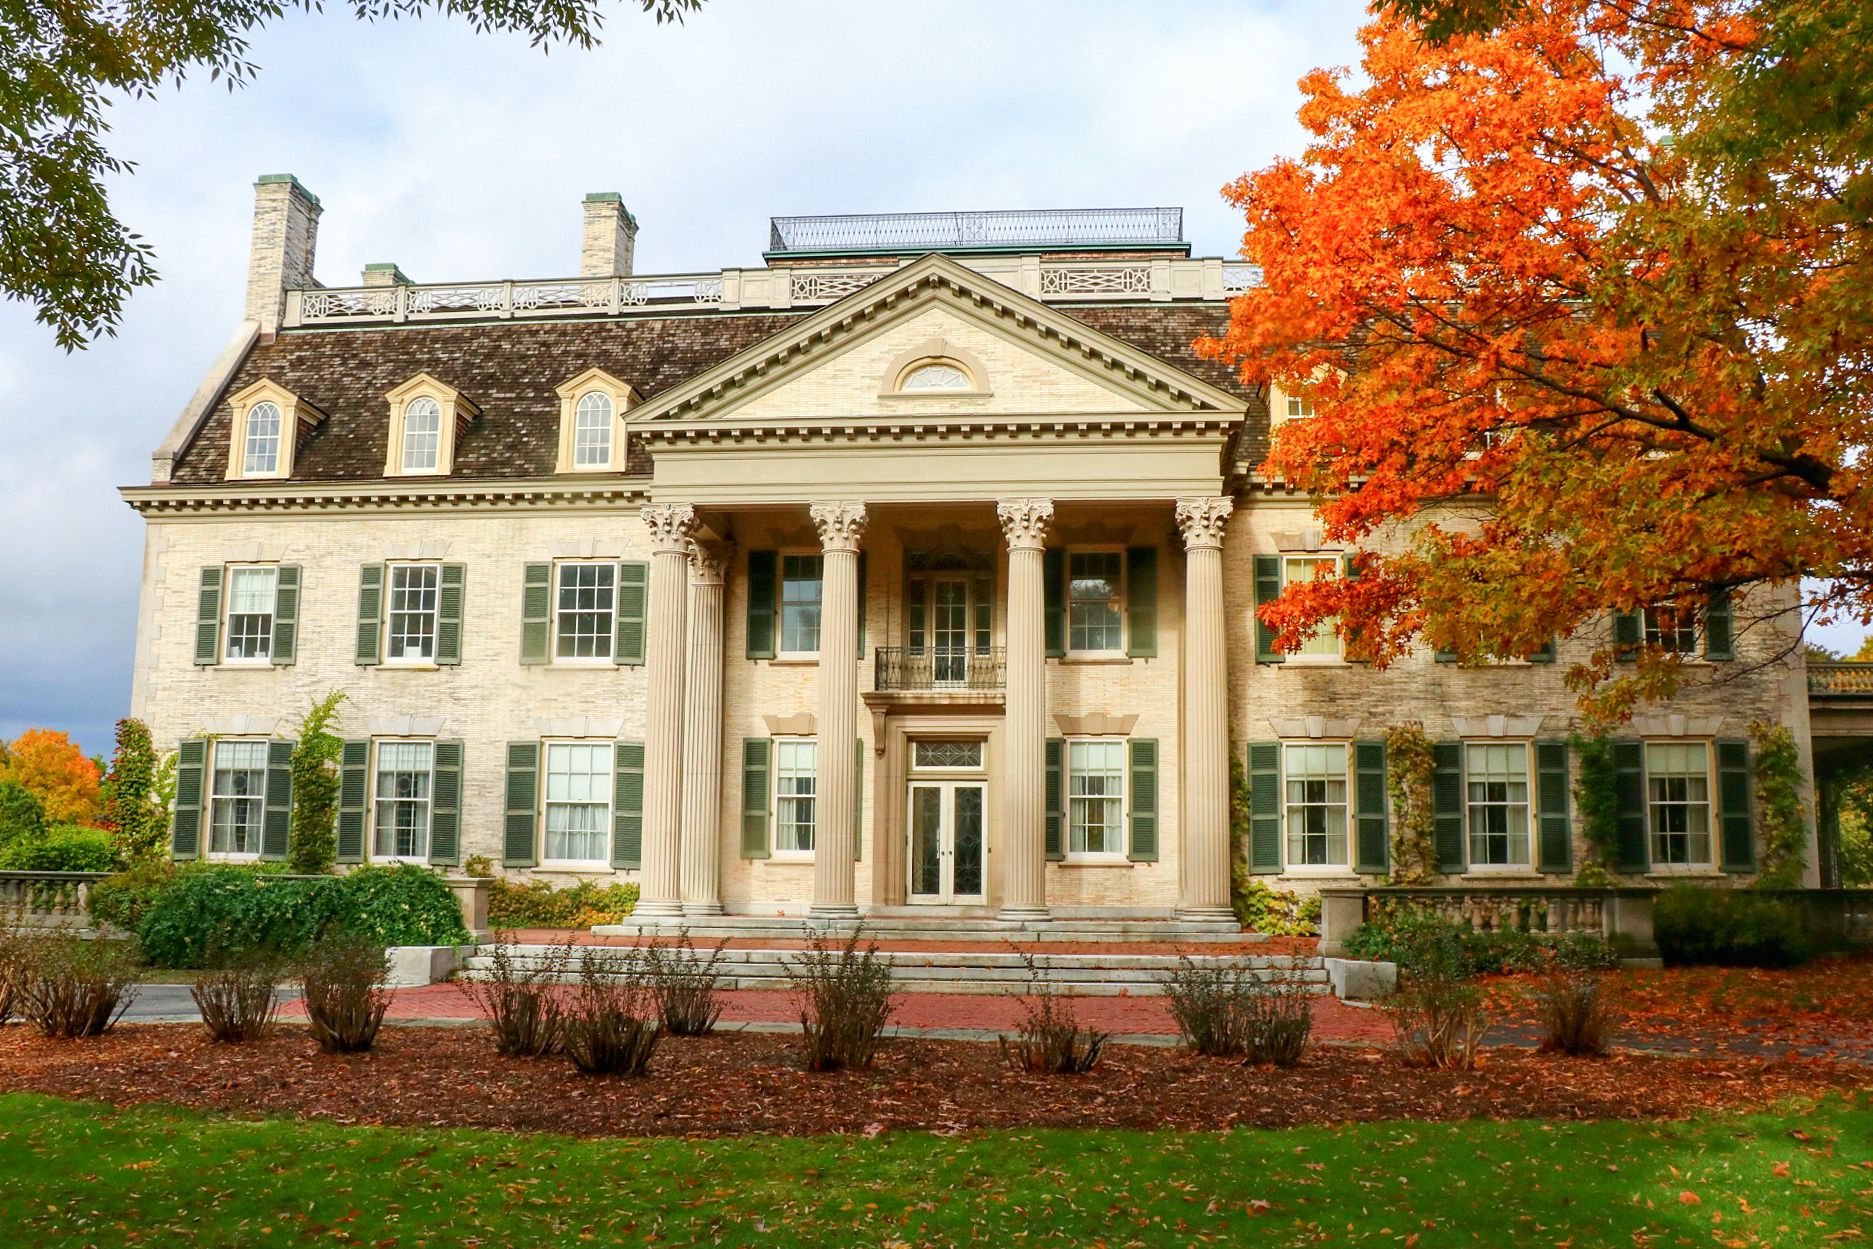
x=1580, y=336
x=50, y=765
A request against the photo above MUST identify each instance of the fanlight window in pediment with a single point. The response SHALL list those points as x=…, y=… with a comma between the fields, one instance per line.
x=935, y=375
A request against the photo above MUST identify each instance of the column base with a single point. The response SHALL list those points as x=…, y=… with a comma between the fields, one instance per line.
x=846, y=913
x=1219, y=915
x=1024, y=915
x=702, y=908
x=658, y=910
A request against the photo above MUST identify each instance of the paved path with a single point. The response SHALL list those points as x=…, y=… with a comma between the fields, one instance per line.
x=171, y=1003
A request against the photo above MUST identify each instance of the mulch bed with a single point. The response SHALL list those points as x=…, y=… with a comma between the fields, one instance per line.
x=752, y=1082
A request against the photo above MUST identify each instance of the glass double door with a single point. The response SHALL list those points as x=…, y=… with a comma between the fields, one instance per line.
x=946, y=840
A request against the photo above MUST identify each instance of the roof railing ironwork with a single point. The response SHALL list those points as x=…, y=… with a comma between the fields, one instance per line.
x=1006, y=229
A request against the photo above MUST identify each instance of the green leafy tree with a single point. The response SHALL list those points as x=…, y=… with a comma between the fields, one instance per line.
x=312, y=847
x=130, y=806
x=62, y=248
x=22, y=818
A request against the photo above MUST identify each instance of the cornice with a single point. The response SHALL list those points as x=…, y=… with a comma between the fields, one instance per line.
x=246, y=498
x=670, y=432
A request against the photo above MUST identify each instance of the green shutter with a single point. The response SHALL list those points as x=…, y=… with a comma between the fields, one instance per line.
x=1264, y=850
x=208, y=617
x=633, y=609
x=1733, y=805
x=450, y=603
x=1447, y=805
x=285, y=616
x=1543, y=654
x=536, y=614
x=763, y=593
x=1267, y=590
x=1554, y=841
x=627, y=806
x=1053, y=794
x=1054, y=600
x=1141, y=604
x=1370, y=846
x=1718, y=628
x=185, y=826
x=445, y=805
x=1628, y=635
x=370, y=614
x=858, y=802
x=277, y=818
x=520, y=827
x=757, y=754
x=1143, y=783
x=354, y=798
x=861, y=604
x=1629, y=791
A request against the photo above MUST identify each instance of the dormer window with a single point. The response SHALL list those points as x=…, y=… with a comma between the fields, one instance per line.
x=267, y=425
x=591, y=422
x=1299, y=407
x=935, y=375
x=591, y=431
x=260, y=456
x=422, y=435
x=426, y=418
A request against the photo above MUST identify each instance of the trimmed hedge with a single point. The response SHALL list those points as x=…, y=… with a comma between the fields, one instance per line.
x=1728, y=928
x=62, y=848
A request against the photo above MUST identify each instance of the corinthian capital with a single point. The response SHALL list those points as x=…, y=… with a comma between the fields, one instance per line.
x=671, y=526
x=708, y=562
x=840, y=525
x=1202, y=521
x=1024, y=522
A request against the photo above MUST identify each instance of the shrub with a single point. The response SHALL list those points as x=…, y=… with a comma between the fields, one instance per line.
x=1050, y=1040
x=130, y=796
x=1781, y=820
x=1260, y=907
x=609, y=1028
x=21, y=815
x=1437, y=1014
x=1729, y=928
x=402, y=905
x=1277, y=1020
x=344, y=1004
x=1578, y=1013
x=537, y=904
x=12, y=943
x=522, y=1002
x=1585, y=951
x=683, y=982
x=70, y=988
x=313, y=839
x=1394, y=937
x=121, y=901
x=1206, y=1001
x=237, y=1001
x=845, y=1001
x=62, y=848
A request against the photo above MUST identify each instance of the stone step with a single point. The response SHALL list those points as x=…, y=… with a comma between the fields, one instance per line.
x=1099, y=931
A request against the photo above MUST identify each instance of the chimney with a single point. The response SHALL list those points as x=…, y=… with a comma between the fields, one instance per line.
x=286, y=234
x=610, y=236
x=385, y=273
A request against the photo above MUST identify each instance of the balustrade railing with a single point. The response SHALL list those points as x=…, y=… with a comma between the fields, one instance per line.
x=1844, y=678
x=900, y=668
x=1063, y=227
x=47, y=899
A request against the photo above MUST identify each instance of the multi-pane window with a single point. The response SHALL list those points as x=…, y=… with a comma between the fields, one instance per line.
x=405, y=772
x=251, y=597
x=1299, y=407
x=237, y=797
x=1496, y=783
x=1677, y=779
x=800, y=590
x=1095, y=598
x=588, y=600
x=1096, y=797
x=1315, y=781
x=422, y=435
x=578, y=801
x=591, y=432
x=412, y=633
x=795, y=787
x=1323, y=639
x=260, y=453
x=1671, y=630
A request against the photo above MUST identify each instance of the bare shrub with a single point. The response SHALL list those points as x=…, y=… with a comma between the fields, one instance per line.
x=610, y=1027
x=237, y=1000
x=12, y=947
x=1437, y=1015
x=1277, y=1019
x=1206, y=1001
x=845, y=1001
x=684, y=982
x=69, y=988
x=523, y=1002
x=1579, y=1013
x=1050, y=1039
x=345, y=1003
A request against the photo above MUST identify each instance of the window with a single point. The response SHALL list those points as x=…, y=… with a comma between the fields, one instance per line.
x=404, y=775
x=1324, y=641
x=591, y=432
x=237, y=798
x=1095, y=602
x=799, y=604
x=1496, y=781
x=1677, y=778
x=422, y=435
x=1299, y=407
x=1669, y=630
x=578, y=802
x=251, y=597
x=1096, y=797
x=412, y=634
x=937, y=375
x=795, y=784
x=588, y=596
x=946, y=755
x=260, y=457
x=1316, y=805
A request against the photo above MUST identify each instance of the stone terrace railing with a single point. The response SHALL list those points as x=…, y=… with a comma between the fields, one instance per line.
x=1156, y=280
x=47, y=899
x=1844, y=679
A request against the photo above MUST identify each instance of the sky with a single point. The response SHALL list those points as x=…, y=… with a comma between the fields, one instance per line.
x=461, y=156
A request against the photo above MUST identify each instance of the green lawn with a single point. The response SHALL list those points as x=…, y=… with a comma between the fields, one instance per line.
x=81, y=1174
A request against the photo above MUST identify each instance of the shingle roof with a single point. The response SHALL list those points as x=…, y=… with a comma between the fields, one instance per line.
x=510, y=369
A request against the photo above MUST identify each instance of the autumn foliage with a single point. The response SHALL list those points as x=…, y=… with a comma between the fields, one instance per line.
x=49, y=764
x=1585, y=308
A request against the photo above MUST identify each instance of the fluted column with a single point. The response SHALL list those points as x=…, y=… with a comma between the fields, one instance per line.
x=836, y=791
x=1024, y=732
x=1205, y=748
x=671, y=526
x=702, y=734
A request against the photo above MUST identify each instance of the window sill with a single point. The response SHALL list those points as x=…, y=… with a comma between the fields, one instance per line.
x=245, y=665
x=1094, y=657
x=1095, y=860
x=563, y=865
x=1690, y=872
x=1516, y=872
x=791, y=857
x=419, y=860
x=794, y=661
x=1314, y=661
x=411, y=665
x=587, y=664
x=229, y=856
x=1320, y=871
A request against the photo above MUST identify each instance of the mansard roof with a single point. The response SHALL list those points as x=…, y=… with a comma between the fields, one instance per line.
x=511, y=370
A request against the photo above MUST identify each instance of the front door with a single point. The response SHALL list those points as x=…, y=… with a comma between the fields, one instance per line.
x=946, y=841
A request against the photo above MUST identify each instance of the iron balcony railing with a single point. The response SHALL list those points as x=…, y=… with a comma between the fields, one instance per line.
x=1836, y=679
x=1047, y=227
x=900, y=668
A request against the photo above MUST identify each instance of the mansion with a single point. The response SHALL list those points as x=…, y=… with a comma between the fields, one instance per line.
x=914, y=568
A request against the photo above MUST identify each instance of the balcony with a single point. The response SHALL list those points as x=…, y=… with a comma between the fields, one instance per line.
x=899, y=669
x=1843, y=679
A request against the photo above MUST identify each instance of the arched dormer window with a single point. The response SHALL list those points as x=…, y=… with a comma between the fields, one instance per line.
x=591, y=422
x=426, y=418
x=267, y=424
x=260, y=449
x=422, y=435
